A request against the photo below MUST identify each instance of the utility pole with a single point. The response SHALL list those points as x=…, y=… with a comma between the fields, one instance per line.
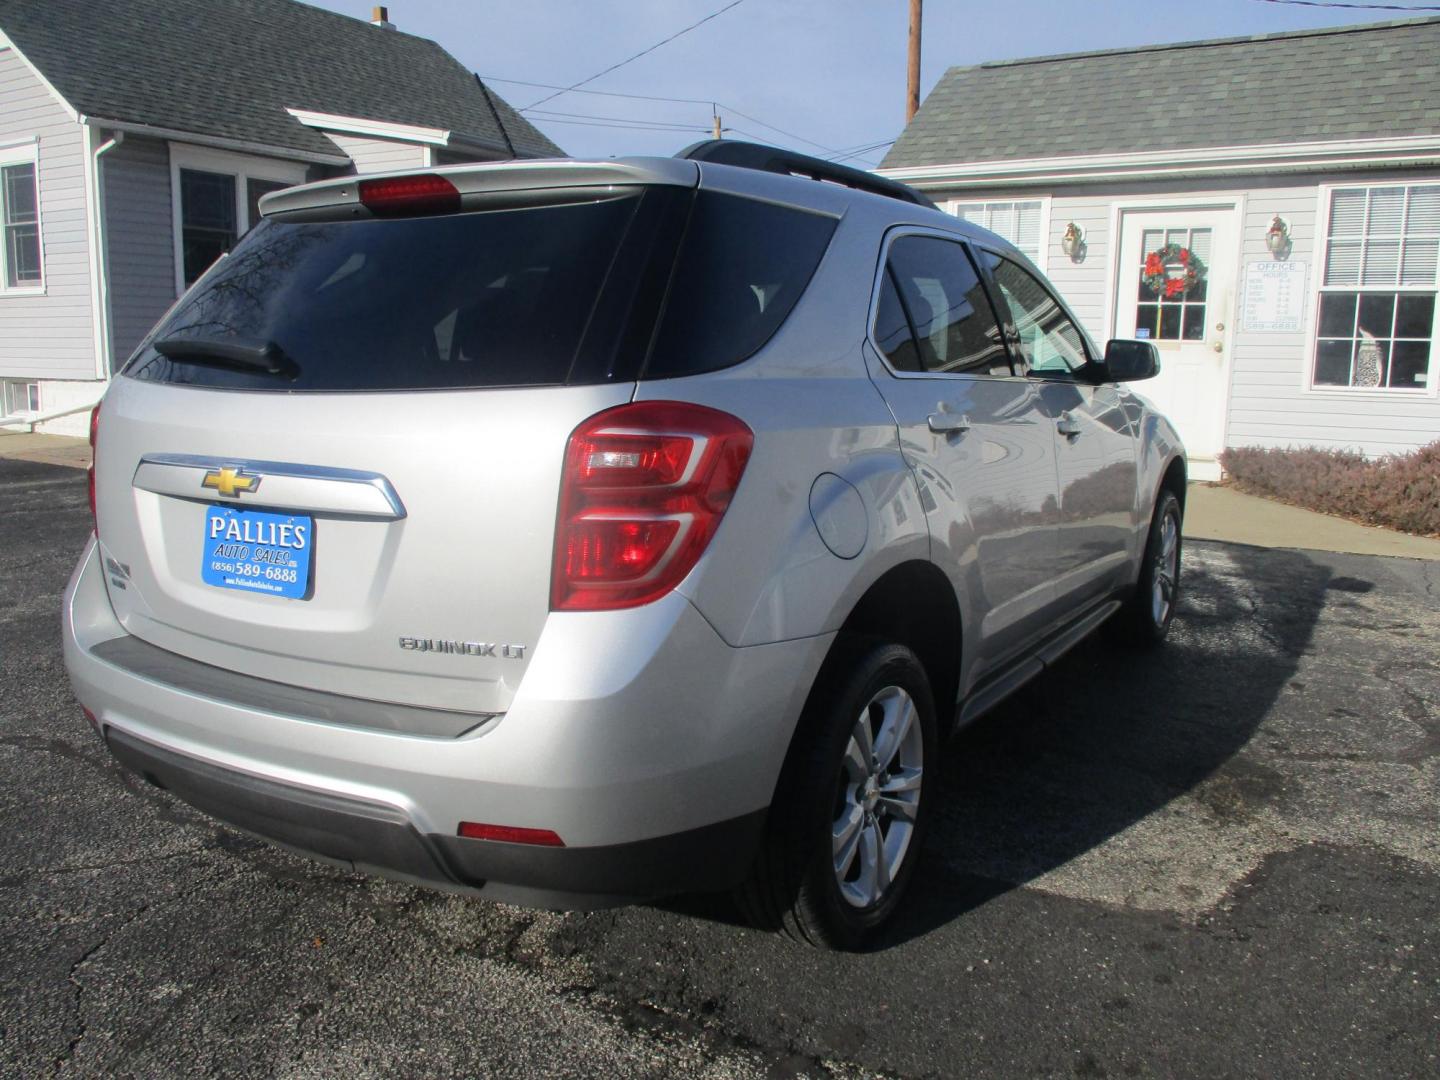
x=912, y=89
x=717, y=125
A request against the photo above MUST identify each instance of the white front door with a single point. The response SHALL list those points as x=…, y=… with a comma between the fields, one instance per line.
x=1175, y=287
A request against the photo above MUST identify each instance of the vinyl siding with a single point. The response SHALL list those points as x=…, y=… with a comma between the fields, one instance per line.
x=49, y=335
x=138, y=226
x=1269, y=399
x=377, y=155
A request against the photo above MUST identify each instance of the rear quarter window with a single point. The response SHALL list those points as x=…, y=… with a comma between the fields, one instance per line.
x=742, y=267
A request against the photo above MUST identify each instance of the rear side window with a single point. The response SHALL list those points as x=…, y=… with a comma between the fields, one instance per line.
x=954, y=327
x=742, y=266
x=501, y=298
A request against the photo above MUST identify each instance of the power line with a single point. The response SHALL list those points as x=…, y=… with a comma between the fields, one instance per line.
x=599, y=93
x=772, y=127
x=626, y=127
x=1354, y=7
x=637, y=56
x=859, y=155
x=721, y=105
x=548, y=115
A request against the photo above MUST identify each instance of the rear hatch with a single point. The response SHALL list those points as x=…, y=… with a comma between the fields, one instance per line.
x=336, y=462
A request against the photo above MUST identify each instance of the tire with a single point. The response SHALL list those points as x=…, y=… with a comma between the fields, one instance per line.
x=1145, y=617
x=837, y=893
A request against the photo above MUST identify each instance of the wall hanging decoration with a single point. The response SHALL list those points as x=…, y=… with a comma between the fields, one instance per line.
x=1172, y=271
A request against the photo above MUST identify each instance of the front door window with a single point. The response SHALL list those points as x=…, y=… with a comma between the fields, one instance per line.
x=1173, y=284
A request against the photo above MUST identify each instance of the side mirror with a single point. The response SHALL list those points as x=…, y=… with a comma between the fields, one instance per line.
x=1130, y=361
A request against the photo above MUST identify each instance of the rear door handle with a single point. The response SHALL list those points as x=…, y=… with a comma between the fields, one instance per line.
x=1067, y=425
x=948, y=423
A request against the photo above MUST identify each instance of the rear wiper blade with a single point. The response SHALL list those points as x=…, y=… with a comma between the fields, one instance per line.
x=262, y=356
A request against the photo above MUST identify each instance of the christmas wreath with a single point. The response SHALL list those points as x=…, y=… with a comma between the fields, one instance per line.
x=1158, y=265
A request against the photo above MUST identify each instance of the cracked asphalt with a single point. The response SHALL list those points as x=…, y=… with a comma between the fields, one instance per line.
x=1220, y=859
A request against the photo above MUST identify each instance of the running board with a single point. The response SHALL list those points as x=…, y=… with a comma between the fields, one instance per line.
x=1001, y=686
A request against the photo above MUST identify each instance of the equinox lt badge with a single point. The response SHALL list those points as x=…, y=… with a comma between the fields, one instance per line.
x=463, y=648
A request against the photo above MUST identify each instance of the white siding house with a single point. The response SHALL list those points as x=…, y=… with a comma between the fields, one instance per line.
x=118, y=186
x=1300, y=171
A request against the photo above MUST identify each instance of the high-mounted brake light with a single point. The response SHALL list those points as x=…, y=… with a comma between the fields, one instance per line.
x=644, y=488
x=400, y=196
x=90, y=472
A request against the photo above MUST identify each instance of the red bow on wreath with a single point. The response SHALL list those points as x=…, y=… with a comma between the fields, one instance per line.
x=1157, y=276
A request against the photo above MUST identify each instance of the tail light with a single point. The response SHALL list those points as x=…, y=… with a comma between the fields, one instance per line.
x=644, y=489
x=402, y=196
x=90, y=472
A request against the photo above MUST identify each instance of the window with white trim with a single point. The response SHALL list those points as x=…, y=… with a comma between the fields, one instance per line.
x=17, y=397
x=20, y=249
x=216, y=195
x=1018, y=222
x=1378, y=318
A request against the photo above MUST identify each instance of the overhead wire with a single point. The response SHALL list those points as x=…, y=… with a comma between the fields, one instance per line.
x=1353, y=7
x=643, y=52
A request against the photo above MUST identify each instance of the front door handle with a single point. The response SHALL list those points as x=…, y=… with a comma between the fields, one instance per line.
x=948, y=423
x=1068, y=426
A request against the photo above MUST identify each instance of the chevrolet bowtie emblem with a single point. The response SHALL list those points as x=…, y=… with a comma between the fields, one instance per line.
x=230, y=482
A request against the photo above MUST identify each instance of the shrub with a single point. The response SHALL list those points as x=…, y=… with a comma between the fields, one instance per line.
x=1400, y=491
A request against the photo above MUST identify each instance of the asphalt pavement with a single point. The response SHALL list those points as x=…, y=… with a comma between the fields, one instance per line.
x=1218, y=859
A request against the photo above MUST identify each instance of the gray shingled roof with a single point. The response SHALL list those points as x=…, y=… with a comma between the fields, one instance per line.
x=230, y=68
x=1371, y=81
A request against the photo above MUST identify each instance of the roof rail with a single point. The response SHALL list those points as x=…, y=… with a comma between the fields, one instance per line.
x=748, y=155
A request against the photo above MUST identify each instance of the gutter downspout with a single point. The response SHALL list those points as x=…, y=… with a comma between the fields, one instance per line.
x=99, y=256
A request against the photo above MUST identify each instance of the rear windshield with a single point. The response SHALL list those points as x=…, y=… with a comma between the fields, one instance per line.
x=654, y=282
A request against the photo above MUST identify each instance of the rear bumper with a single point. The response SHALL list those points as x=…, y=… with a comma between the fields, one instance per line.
x=378, y=838
x=645, y=742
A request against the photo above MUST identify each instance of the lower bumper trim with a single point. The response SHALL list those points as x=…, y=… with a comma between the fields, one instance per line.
x=381, y=838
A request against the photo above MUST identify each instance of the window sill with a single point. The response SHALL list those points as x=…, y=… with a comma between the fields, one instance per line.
x=38, y=290
x=1374, y=391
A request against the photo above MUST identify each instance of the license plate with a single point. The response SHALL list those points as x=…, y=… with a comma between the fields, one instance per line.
x=258, y=552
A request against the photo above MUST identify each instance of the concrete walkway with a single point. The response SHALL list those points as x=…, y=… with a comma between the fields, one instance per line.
x=1222, y=513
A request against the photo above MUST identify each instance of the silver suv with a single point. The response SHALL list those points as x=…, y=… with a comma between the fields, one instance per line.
x=576, y=532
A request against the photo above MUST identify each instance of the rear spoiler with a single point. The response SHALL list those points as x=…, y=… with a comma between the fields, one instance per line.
x=489, y=185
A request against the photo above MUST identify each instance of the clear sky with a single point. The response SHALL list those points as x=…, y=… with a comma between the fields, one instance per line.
x=829, y=72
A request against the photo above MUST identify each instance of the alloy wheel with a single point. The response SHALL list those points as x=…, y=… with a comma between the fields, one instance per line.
x=878, y=797
x=1167, y=569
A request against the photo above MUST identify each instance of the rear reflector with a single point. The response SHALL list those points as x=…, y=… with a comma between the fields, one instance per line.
x=90, y=716
x=510, y=834
x=644, y=488
x=399, y=196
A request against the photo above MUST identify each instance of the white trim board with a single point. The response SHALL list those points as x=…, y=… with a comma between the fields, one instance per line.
x=1079, y=168
x=385, y=129
x=242, y=167
x=1315, y=289
x=24, y=152
x=240, y=146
